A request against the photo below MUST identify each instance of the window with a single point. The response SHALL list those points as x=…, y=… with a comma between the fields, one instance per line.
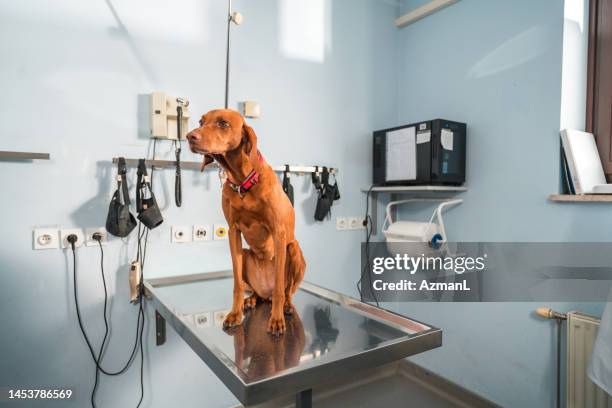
x=599, y=80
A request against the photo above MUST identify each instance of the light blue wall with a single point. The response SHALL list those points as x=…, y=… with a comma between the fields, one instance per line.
x=74, y=77
x=496, y=65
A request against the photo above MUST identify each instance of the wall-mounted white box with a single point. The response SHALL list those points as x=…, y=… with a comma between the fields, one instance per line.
x=251, y=109
x=164, y=117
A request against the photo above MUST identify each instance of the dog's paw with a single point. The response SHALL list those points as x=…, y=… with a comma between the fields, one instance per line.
x=288, y=309
x=233, y=319
x=250, y=302
x=276, y=325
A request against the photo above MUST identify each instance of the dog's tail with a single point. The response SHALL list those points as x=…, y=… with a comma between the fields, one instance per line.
x=295, y=268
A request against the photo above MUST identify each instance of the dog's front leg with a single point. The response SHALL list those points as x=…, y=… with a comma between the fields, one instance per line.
x=234, y=318
x=276, y=324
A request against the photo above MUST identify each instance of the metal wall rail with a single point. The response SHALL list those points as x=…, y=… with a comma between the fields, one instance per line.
x=198, y=165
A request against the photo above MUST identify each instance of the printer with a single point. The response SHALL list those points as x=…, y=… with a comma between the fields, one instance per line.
x=424, y=153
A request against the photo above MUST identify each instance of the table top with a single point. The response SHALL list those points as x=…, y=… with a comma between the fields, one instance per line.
x=328, y=335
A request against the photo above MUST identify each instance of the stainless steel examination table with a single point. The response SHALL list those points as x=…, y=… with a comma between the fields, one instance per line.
x=330, y=336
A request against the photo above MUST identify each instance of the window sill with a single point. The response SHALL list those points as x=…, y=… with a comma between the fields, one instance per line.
x=586, y=198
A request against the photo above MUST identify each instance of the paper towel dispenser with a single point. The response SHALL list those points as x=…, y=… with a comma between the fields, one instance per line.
x=430, y=152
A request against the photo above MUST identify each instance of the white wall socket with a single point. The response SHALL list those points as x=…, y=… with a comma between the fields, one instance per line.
x=89, y=233
x=202, y=233
x=180, y=234
x=355, y=223
x=45, y=238
x=186, y=317
x=67, y=232
x=219, y=317
x=203, y=319
x=220, y=232
x=341, y=223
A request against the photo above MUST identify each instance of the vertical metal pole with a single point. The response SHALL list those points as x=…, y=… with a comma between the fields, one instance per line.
x=558, y=363
x=227, y=53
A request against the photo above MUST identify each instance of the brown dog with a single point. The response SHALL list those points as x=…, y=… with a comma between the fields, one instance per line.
x=255, y=207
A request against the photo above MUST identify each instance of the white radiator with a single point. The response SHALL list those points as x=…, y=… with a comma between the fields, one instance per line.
x=581, y=392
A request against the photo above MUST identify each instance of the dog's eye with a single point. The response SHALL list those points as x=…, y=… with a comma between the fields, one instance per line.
x=223, y=124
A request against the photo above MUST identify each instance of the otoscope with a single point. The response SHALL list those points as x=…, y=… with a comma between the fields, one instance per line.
x=178, y=189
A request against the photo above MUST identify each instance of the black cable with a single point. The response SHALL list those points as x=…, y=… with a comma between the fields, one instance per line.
x=140, y=322
x=153, y=167
x=78, y=310
x=97, y=360
x=109, y=373
x=142, y=254
x=368, y=234
x=154, y=152
x=106, y=330
x=178, y=188
x=141, y=307
x=366, y=266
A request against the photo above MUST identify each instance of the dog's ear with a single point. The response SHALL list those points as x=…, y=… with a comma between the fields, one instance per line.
x=249, y=143
x=207, y=160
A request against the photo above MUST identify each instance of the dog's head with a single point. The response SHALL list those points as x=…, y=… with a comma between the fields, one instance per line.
x=222, y=131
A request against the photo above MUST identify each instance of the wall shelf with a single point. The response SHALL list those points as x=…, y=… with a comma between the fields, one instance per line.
x=394, y=191
x=414, y=189
x=7, y=155
x=422, y=12
x=586, y=198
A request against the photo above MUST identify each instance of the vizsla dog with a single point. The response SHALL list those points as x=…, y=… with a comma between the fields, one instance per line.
x=256, y=208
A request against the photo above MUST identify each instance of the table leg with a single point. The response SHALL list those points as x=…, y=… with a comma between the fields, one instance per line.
x=160, y=329
x=303, y=399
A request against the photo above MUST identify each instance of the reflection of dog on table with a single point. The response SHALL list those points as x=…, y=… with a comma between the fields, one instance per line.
x=260, y=355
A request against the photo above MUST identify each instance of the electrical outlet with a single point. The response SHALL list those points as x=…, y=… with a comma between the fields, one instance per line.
x=45, y=238
x=355, y=223
x=67, y=232
x=219, y=317
x=89, y=233
x=221, y=231
x=204, y=320
x=341, y=223
x=181, y=234
x=202, y=233
x=186, y=318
